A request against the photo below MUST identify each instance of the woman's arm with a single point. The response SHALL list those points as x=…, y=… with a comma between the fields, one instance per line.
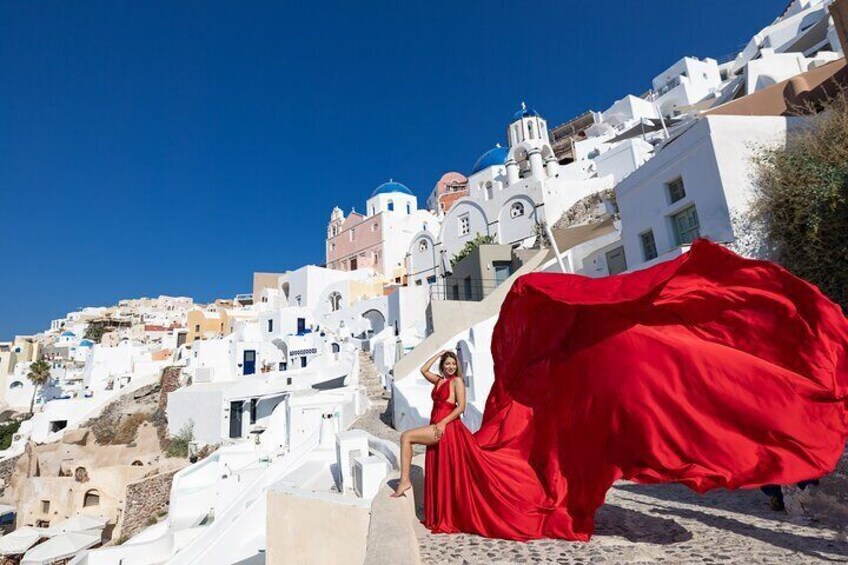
x=425, y=368
x=459, y=391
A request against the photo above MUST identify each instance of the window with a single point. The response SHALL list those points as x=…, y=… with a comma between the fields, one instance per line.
x=333, y=246
x=616, y=262
x=489, y=191
x=352, y=234
x=58, y=425
x=197, y=327
x=686, y=226
x=16, y=385
x=408, y=208
x=391, y=206
x=253, y=403
x=335, y=301
x=431, y=279
x=649, y=245
x=375, y=226
x=464, y=225
x=423, y=245
x=530, y=129
x=676, y=191
x=270, y=326
x=418, y=282
x=45, y=506
x=92, y=498
x=516, y=210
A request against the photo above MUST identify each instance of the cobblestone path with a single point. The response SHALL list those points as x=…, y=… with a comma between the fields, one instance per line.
x=663, y=524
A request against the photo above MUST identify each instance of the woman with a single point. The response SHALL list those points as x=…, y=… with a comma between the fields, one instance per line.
x=448, y=405
x=709, y=370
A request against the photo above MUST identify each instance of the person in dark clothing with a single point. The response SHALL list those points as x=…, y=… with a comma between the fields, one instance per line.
x=775, y=494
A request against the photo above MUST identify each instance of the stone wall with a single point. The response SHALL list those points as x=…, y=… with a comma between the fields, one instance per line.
x=145, y=501
x=7, y=469
x=826, y=503
x=169, y=382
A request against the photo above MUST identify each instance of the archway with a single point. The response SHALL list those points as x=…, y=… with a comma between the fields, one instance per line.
x=377, y=319
x=92, y=498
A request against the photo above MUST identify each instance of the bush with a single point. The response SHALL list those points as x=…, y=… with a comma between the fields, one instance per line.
x=178, y=444
x=802, y=200
x=7, y=433
x=94, y=332
x=471, y=246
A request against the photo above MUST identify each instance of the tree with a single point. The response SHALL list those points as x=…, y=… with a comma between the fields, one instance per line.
x=470, y=246
x=802, y=200
x=39, y=374
x=94, y=332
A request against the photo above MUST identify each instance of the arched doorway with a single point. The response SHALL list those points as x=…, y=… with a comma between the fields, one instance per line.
x=377, y=319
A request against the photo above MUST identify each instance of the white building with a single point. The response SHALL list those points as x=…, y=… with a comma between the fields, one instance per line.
x=380, y=238
x=693, y=187
x=511, y=191
x=685, y=83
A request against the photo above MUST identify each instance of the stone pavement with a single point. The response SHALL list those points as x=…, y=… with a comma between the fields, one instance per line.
x=664, y=524
x=377, y=420
x=645, y=524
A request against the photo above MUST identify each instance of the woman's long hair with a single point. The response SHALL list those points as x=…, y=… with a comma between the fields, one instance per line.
x=445, y=356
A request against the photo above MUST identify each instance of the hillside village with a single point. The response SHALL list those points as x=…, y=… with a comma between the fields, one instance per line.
x=264, y=426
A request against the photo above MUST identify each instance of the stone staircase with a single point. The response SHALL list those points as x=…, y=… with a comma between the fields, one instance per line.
x=370, y=378
x=377, y=420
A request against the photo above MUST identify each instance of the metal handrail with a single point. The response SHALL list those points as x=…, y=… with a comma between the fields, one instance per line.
x=463, y=289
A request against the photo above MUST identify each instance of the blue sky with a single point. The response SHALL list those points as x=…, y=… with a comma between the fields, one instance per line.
x=176, y=147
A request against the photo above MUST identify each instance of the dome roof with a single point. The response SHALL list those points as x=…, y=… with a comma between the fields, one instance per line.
x=492, y=157
x=391, y=186
x=86, y=343
x=524, y=112
x=68, y=334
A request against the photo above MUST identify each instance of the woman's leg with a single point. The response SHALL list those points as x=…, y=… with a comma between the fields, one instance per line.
x=425, y=435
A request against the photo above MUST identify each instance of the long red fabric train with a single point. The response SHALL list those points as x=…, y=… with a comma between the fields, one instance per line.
x=709, y=370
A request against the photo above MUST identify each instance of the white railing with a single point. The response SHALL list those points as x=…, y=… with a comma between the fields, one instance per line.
x=198, y=551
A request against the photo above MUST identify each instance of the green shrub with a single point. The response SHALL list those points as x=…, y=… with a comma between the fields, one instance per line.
x=7, y=432
x=470, y=246
x=802, y=200
x=178, y=444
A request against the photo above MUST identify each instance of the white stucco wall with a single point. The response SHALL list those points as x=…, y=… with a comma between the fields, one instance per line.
x=713, y=159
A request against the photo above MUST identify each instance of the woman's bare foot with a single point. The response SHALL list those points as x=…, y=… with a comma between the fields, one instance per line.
x=402, y=487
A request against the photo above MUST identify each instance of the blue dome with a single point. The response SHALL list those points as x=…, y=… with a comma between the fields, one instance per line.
x=68, y=334
x=490, y=158
x=389, y=187
x=524, y=112
x=86, y=343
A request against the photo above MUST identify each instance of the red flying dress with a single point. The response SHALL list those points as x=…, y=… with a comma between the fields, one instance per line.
x=709, y=370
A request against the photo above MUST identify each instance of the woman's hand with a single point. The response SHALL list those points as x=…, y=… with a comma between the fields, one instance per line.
x=440, y=429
